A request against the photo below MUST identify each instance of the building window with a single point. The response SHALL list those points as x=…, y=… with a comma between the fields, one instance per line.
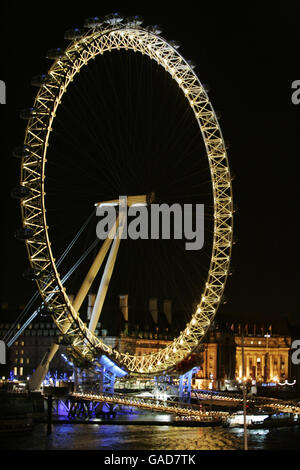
x=27, y=360
x=15, y=370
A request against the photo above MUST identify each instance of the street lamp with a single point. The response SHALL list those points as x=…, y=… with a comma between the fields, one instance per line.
x=267, y=357
x=244, y=394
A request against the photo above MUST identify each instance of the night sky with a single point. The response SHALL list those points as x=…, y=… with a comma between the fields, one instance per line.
x=249, y=60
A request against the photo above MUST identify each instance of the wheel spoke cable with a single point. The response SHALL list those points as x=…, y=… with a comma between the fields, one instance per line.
x=64, y=279
x=35, y=296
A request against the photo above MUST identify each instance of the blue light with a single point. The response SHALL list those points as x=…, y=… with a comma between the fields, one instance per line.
x=112, y=366
x=66, y=360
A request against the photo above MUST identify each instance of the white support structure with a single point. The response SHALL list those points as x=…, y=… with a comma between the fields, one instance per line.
x=40, y=373
x=110, y=263
x=118, y=229
x=91, y=302
x=93, y=271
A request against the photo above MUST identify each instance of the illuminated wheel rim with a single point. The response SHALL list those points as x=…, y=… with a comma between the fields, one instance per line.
x=104, y=38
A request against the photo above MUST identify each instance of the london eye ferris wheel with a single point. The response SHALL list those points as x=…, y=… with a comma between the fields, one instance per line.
x=121, y=111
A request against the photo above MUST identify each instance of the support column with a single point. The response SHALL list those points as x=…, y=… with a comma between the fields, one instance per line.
x=75, y=380
x=185, y=384
x=49, y=415
x=107, y=275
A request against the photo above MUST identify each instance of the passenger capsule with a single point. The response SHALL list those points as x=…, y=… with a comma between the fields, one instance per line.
x=113, y=18
x=24, y=234
x=32, y=274
x=40, y=80
x=134, y=21
x=55, y=54
x=93, y=22
x=73, y=34
x=45, y=311
x=192, y=64
x=20, y=192
x=28, y=113
x=175, y=44
x=156, y=29
x=21, y=152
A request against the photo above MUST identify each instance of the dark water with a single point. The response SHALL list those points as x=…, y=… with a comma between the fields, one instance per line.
x=144, y=437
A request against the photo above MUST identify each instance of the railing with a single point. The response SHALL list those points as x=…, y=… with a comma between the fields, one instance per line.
x=275, y=403
x=148, y=403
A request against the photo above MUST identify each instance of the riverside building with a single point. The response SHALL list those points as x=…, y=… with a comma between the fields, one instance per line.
x=267, y=347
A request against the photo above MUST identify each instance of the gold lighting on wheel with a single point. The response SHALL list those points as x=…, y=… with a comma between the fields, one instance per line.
x=98, y=40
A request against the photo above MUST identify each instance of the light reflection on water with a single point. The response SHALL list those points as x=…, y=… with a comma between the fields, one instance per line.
x=143, y=437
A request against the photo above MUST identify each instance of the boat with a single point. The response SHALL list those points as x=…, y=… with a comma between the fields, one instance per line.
x=276, y=420
x=261, y=419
